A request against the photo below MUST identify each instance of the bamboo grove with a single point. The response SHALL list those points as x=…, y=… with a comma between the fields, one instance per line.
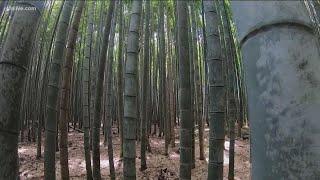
x=136, y=70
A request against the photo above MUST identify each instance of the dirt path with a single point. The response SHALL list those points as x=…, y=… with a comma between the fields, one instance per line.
x=159, y=166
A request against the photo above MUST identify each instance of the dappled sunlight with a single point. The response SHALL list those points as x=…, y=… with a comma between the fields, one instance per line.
x=156, y=143
x=174, y=156
x=22, y=150
x=117, y=162
x=83, y=164
x=226, y=145
x=225, y=158
x=104, y=163
x=33, y=169
x=28, y=149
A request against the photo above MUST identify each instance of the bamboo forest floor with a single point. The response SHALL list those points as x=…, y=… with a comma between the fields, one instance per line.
x=160, y=167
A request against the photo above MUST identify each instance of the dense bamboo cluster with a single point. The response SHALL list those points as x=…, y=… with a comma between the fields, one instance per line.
x=138, y=69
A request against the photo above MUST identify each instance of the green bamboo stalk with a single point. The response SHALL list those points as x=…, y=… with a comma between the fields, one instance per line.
x=98, y=95
x=217, y=95
x=14, y=64
x=130, y=93
x=53, y=91
x=185, y=113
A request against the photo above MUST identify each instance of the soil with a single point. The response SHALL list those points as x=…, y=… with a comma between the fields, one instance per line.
x=160, y=167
